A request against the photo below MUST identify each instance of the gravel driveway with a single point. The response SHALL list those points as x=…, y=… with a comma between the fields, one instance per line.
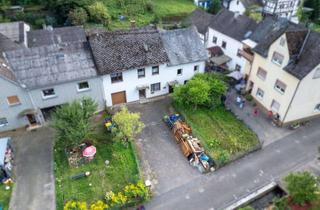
x=162, y=160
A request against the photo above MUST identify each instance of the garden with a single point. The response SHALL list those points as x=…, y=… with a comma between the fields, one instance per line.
x=108, y=180
x=200, y=102
x=4, y=197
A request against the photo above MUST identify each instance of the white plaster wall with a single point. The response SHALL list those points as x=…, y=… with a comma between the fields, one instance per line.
x=234, y=7
x=231, y=49
x=131, y=80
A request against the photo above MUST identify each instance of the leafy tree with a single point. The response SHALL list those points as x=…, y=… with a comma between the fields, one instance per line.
x=215, y=6
x=72, y=121
x=98, y=12
x=315, y=13
x=253, y=13
x=194, y=93
x=128, y=124
x=78, y=16
x=302, y=187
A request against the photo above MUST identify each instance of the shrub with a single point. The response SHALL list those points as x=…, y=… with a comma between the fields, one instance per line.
x=302, y=187
x=78, y=16
x=150, y=6
x=75, y=205
x=280, y=203
x=98, y=12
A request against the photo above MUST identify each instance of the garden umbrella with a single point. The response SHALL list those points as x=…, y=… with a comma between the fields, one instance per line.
x=236, y=75
x=89, y=151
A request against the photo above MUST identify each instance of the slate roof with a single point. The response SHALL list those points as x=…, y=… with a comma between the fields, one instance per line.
x=49, y=65
x=309, y=58
x=14, y=31
x=235, y=26
x=126, y=49
x=201, y=19
x=51, y=36
x=7, y=44
x=183, y=46
x=269, y=30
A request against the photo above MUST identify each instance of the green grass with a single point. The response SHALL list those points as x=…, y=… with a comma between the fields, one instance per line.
x=222, y=134
x=4, y=196
x=162, y=9
x=123, y=169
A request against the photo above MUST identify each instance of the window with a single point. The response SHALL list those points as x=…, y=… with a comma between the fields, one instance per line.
x=280, y=86
x=277, y=58
x=282, y=41
x=179, y=72
x=155, y=87
x=239, y=53
x=275, y=106
x=13, y=100
x=262, y=74
x=316, y=73
x=185, y=82
x=238, y=2
x=82, y=86
x=224, y=45
x=141, y=73
x=48, y=93
x=214, y=39
x=260, y=93
x=317, y=108
x=3, y=121
x=155, y=70
x=116, y=77
x=196, y=68
x=238, y=67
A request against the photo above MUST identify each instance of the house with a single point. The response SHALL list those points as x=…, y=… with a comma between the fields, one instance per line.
x=228, y=30
x=15, y=31
x=282, y=8
x=205, y=4
x=137, y=64
x=43, y=77
x=284, y=70
x=240, y=6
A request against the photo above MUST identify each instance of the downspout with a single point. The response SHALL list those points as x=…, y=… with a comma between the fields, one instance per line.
x=294, y=94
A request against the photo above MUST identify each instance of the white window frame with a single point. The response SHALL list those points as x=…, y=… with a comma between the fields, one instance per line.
x=49, y=96
x=276, y=61
x=277, y=88
x=258, y=94
x=153, y=85
x=3, y=124
x=83, y=89
x=157, y=72
x=260, y=76
x=272, y=105
x=144, y=73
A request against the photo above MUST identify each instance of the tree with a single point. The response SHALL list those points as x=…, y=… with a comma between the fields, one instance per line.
x=215, y=6
x=253, y=13
x=128, y=124
x=72, y=121
x=302, y=187
x=98, y=12
x=78, y=16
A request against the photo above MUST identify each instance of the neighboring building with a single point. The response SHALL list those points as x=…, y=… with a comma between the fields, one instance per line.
x=15, y=31
x=228, y=30
x=285, y=68
x=203, y=3
x=241, y=6
x=142, y=63
x=282, y=8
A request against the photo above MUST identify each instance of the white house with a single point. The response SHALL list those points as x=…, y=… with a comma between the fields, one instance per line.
x=241, y=6
x=282, y=8
x=203, y=3
x=227, y=31
x=138, y=64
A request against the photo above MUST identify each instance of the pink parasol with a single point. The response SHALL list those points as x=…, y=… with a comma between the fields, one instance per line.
x=89, y=151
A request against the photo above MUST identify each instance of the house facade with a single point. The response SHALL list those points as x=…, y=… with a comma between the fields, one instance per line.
x=282, y=8
x=284, y=70
x=203, y=3
x=240, y=6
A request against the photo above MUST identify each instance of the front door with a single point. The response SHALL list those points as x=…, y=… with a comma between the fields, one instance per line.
x=142, y=93
x=171, y=88
x=32, y=119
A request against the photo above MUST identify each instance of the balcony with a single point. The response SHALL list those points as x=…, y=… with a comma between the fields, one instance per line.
x=246, y=55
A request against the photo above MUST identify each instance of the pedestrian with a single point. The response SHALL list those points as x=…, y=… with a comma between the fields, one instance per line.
x=270, y=114
x=255, y=111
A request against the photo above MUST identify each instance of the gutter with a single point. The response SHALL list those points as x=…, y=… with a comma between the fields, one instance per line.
x=294, y=94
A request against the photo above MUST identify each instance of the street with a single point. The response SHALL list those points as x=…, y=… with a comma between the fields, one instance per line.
x=219, y=189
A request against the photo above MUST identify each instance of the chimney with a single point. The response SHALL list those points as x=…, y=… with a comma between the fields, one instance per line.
x=133, y=23
x=236, y=15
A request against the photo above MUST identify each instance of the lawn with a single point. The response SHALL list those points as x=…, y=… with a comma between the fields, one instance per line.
x=162, y=10
x=222, y=134
x=4, y=197
x=123, y=169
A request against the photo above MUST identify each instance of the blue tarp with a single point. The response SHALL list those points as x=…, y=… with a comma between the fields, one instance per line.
x=3, y=148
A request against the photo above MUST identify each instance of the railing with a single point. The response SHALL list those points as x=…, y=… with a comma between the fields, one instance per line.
x=246, y=55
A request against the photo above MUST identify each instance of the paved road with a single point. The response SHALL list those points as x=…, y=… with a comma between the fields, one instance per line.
x=225, y=186
x=34, y=187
